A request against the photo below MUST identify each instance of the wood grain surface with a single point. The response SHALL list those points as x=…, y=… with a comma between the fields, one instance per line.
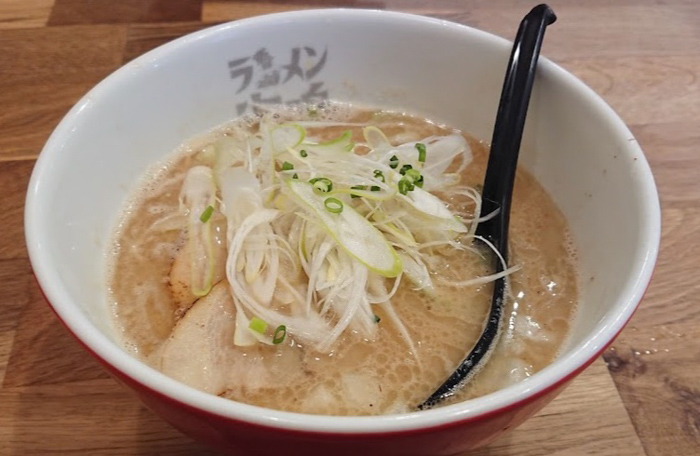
x=642, y=56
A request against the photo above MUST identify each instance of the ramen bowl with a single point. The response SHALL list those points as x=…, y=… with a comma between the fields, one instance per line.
x=575, y=145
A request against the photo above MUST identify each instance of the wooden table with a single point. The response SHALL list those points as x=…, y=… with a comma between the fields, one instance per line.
x=642, y=56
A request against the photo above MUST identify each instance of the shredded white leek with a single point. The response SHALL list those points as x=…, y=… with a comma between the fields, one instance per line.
x=197, y=194
x=317, y=258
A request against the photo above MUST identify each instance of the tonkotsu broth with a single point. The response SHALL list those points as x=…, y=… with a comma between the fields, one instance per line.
x=359, y=376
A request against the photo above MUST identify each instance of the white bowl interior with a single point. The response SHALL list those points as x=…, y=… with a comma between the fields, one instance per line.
x=576, y=146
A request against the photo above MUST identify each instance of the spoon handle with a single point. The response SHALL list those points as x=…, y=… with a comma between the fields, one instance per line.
x=499, y=180
x=509, y=125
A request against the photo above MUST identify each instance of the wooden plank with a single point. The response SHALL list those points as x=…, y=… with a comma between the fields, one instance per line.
x=45, y=71
x=672, y=151
x=72, y=12
x=574, y=410
x=25, y=14
x=223, y=11
x=655, y=369
x=44, y=352
x=594, y=28
x=14, y=177
x=636, y=27
x=15, y=280
x=672, y=295
x=97, y=417
x=648, y=90
x=142, y=38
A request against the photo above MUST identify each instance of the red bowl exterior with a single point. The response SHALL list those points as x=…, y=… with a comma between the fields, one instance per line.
x=240, y=438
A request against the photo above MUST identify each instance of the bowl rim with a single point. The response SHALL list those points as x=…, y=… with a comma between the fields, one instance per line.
x=549, y=378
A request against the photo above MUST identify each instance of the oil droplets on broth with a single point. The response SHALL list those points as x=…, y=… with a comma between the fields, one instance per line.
x=412, y=345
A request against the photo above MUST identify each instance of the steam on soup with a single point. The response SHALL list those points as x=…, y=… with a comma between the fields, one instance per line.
x=322, y=260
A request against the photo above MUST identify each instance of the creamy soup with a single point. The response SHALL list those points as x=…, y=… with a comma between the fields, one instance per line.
x=285, y=306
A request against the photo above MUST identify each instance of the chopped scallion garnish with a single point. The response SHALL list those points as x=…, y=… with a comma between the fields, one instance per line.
x=421, y=152
x=206, y=214
x=286, y=166
x=405, y=186
x=357, y=187
x=280, y=334
x=379, y=175
x=413, y=175
x=303, y=153
x=405, y=168
x=377, y=319
x=333, y=205
x=295, y=176
x=375, y=188
x=393, y=162
x=258, y=325
x=321, y=184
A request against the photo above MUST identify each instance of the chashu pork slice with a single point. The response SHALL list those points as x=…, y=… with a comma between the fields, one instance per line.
x=197, y=352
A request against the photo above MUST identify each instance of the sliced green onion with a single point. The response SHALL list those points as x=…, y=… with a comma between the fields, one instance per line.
x=393, y=162
x=258, y=325
x=379, y=175
x=333, y=205
x=419, y=182
x=405, y=186
x=280, y=334
x=321, y=184
x=421, y=152
x=405, y=168
x=286, y=166
x=413, y=175
x=286, y=135
x=352, y=232
x=377, y=319
x=303, y=153
x=375, y=188
x=295, y=176
x=357, y=187
x=206, y=214
x=341, y=143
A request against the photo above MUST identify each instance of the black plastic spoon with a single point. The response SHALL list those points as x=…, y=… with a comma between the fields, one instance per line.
x=498, y=183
